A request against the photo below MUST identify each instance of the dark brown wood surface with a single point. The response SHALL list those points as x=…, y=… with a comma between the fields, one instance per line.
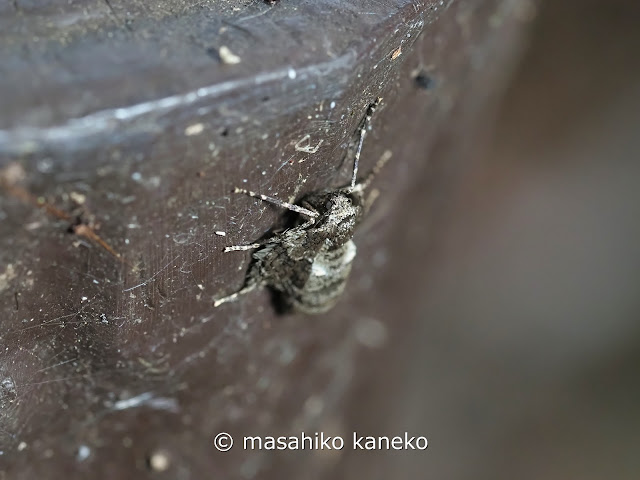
x=124, y=128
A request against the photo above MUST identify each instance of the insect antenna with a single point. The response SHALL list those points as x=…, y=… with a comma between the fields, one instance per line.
x=363, y=132
x=230, y=298
x=278, y=202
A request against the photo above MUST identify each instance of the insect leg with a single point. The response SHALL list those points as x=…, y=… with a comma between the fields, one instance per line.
x=242, y=248
x=234, y=296
x=307, y=224
x=278, y=202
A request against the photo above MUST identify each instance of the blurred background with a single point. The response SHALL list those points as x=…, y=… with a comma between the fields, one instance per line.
x=532, y=314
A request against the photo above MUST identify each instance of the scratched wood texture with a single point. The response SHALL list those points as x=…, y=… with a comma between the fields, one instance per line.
x=124, y=128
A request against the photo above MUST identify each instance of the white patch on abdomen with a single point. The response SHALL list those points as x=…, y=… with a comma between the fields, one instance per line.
x=324, y=265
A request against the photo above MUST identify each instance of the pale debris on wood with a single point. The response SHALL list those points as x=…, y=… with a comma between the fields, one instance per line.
x=195, y=129
x=159, y=461
x=78, y=198
x=227, y=56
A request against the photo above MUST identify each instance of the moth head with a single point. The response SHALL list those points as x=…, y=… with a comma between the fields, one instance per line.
x=340, y=207
x=340, y=217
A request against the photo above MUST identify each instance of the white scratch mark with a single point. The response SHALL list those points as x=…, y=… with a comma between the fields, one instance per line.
x=56, y=365
x=102, y=122
x=147, y=399
x=152, y=277
x=301, y=147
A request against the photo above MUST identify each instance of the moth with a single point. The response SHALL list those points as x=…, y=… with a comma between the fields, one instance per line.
x=307, y=265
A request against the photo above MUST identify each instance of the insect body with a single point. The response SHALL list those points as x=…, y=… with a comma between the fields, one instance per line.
x=309, y=264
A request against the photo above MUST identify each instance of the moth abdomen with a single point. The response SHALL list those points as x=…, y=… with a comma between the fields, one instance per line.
x=328, y=278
